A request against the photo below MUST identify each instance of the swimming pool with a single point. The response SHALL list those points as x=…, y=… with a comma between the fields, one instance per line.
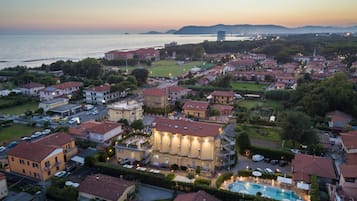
x=267, y=191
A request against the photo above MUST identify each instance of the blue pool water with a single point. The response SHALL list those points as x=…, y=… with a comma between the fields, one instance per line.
x=267, y=191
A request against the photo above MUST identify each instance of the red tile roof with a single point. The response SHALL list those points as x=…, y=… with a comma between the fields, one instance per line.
x=351, y=159
x=32, y=85
x=68, y=85
x=339, y=116
x=305, y=166
x=101, y=88
x=195, y=105
x=106, y=187
x=223, y=93
x=83, y=128
x=186, y=127
x=31, y=151
x=104, y=127
x=56, y=139
x=196, y=196
x=222, y=107
x=349, y=139
x=154, y=92
x=348, y=171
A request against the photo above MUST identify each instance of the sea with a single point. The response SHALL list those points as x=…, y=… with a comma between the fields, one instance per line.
x=33, y=50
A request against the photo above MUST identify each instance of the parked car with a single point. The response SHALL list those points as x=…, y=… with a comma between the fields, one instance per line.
x=257, y=157
x=12, y=144
x=60, y=174
x=267, y=160
x=258, y=169
x=277, y=170
x=283, y=163
x=268, y=170
x=274, y=162
x=25, y=138
x=46, y=131
x=2, y=148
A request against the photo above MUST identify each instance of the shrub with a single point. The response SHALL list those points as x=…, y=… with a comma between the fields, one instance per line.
x=272, y=153
x=223, y=177
x=244, y=173
x=190, y=175
x=198, y=169
x=183, y=168
x=202, y=181
x=170, y=176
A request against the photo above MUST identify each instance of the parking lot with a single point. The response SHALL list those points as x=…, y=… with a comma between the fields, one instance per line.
x=244, y=162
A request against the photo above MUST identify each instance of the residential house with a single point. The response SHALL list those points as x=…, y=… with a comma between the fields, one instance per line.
x=289, y=68
x=196, y=196
x=130, y=110
x=65, y=89
x=155, y=98
x=338, y=121
x=262, y=76
x=269, y=64
x=224, y=110
x=32, y=88
x=118, y=55
x=36, y=160
x=104, y=187
x=176, y=93
x=243, y=64
x=197, y=109
x=186, y=143
x=100, y=95
x=141, y=54
x=348, y=180
x=81, y=132
x=60, y=140
x=222, y=97
x=287, y=80
x=304, y=166
x=105, y=132
x=50, y=104
x=3, y=186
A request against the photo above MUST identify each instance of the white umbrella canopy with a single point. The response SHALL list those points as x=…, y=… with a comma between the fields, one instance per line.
x=257, y=173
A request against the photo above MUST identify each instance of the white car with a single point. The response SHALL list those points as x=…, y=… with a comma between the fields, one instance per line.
x=257, y=158
x=60, y=174
x=268, y=170
x=70, y=183
x=46, y=131
x=2, y=148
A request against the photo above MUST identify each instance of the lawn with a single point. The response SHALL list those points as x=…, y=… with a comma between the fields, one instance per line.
x=249, y=104
x=169, y=68
x=19, y=109
x=15, y=132
x=263, y=133
x=248, y=86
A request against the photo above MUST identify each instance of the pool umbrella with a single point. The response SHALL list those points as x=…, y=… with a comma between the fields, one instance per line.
x=257, y=173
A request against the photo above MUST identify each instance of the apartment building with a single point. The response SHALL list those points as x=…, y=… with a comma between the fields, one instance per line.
x=155, y=98
x=100, y=95
x=55, y=91
x=130, y=110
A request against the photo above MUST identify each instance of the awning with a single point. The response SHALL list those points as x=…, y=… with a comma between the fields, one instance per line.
x=302, y=185
x=78, y=159
x=285, y=180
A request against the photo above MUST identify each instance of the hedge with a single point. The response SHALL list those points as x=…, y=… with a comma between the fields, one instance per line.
x=162, y=181
x=223, y=177
x=202, y=181
x=272, y=153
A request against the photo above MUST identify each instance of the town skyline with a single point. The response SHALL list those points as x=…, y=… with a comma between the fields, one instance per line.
x=141, y=15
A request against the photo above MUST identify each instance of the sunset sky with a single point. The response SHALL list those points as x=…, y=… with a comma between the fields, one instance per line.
x=145, y=15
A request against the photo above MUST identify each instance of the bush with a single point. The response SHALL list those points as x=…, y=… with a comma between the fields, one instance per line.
x=198, y=169
x=170, y=176
x=202, y=181
x=223, y=177
x=174, y=167
x=272, y=153
x=190, y=175
x=244, y=173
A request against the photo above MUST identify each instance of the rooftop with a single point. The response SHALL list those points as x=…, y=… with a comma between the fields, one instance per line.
x=223, y=93
x=31, y=151
x=222, y=107
x=83, y=128
x=154, y=92
x=106, y=187
x=104, y=127
x=186, y=127
x=306, y=165
x=65, y=108
x=349, y=171
x=32, y=85
x=56, y=100
x=349, y=139
x=125, y=105
x=56, y=139
x=195, y=105
x=196, y=196
x=101, y=88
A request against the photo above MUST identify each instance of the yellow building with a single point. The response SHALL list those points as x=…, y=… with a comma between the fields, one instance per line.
x=155, y=98
x=50, y=104
x=223, y=97
x=129, y=110
x=36, y=160
x=197, y=109
x=61, y=140
x=186, y=143
x=104, y=187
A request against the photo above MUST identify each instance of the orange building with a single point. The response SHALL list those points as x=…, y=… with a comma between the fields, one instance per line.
x=36, y=160
x=61, y=140
x=223, y=97
x=196, y=109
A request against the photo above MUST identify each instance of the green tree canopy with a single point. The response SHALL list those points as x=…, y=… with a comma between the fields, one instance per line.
x=141, y=75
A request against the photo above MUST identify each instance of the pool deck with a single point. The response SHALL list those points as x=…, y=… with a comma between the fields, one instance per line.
x=269, y=182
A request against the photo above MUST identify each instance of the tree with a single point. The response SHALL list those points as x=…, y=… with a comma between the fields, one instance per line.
x=314, y=189
x=213, y=112
x=114, y=79
x=124, y=122
x=137, y=124
x=141, y=75
x=243, y=142
x=297, y=127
